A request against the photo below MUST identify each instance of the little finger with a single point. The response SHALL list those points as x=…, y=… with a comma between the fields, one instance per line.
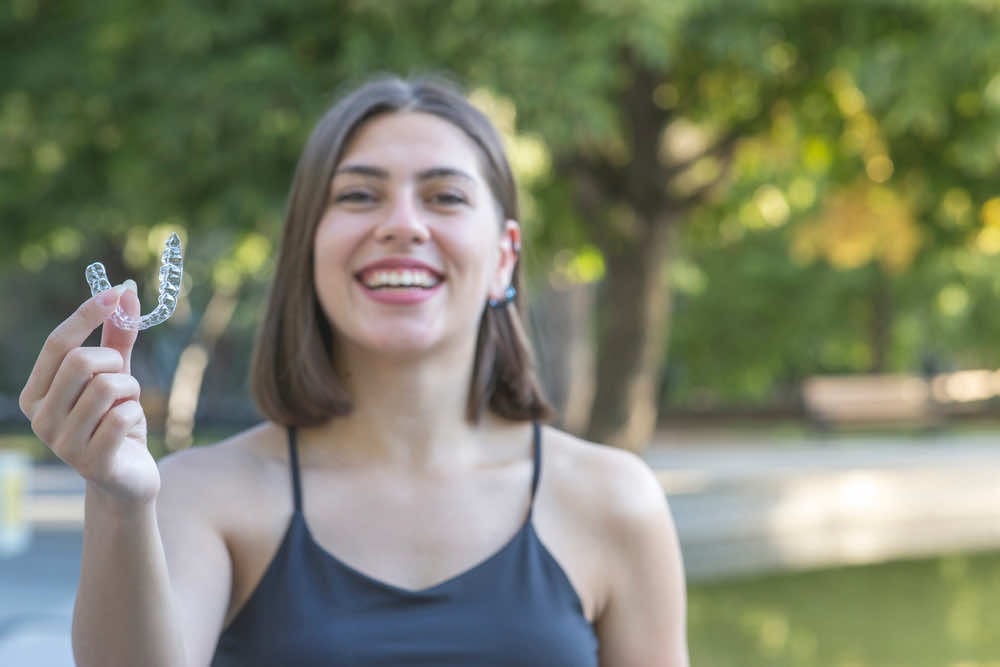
x=109, y=437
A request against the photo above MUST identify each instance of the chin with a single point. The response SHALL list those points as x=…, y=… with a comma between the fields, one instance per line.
x=409, y=341
x=400, y=343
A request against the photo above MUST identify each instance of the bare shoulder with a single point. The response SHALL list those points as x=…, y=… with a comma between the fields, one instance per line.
x=210, y=495
x=640, y=589
x=616, y=486
x=209, y=477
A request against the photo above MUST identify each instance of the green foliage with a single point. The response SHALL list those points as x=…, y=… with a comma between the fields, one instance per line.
x=118, y=119
x=916, y=613
x=892, y=95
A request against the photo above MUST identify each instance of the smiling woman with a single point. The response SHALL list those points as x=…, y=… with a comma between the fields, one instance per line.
x=353, y=172
x=424, y=205
x=402, y=503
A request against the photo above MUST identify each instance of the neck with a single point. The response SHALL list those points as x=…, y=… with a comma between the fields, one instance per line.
x=408, y=412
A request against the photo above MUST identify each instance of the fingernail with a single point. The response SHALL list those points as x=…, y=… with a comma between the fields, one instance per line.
x=110, y=296
x=130, y=284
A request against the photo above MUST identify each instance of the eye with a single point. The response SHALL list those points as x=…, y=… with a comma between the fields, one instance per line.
x=448, y=198
x=354, y=197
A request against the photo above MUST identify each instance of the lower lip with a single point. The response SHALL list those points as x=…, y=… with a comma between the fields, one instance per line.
x=398, y=296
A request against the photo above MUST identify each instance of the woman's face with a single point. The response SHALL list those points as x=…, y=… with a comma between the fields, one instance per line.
x=410, y=246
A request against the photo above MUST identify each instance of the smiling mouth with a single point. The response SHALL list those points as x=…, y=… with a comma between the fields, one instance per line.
x=399, y=280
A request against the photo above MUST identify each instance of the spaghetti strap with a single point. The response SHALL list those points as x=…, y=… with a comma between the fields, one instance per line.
x=537, y=458
x=311, y=608
x=293, y=464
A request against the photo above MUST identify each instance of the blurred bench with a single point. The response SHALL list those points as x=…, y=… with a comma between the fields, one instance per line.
x=859, y=400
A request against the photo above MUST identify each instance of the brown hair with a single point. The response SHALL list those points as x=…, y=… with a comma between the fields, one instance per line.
x=292, y=376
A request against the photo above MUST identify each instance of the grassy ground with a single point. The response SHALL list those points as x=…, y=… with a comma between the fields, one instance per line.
x=943, y=612
x=796, y=429
x=23, y=442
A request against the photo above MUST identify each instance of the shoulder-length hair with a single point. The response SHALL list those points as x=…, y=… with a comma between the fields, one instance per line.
x=292, y=377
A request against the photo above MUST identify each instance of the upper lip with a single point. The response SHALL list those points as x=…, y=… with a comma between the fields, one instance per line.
x=399, y=263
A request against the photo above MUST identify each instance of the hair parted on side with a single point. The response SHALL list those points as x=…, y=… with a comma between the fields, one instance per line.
x=292, y=376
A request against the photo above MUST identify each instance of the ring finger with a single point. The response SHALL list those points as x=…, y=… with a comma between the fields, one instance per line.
x=102, y=393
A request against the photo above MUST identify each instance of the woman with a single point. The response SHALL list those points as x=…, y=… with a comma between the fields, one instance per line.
x=401, y=505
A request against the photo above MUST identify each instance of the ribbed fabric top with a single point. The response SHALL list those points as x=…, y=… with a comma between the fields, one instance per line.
x=310, y=609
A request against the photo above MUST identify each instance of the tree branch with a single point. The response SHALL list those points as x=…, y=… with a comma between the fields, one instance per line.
x=722, y=148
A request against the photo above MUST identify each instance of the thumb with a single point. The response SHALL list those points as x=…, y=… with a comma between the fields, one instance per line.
x=123, y=339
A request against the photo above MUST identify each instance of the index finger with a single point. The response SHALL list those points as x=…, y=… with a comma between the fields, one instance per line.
x=123, y=339
x=68, y=335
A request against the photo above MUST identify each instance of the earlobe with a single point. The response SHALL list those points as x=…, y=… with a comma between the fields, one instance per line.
x=510, y=251
x=508, y=297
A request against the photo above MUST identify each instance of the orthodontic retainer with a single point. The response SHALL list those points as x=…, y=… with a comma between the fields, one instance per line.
x=171, y=273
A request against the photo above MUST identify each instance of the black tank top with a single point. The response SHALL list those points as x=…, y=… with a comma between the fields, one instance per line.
x=310, y=609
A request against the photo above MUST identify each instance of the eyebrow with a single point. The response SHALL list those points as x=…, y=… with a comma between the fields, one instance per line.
x=425, y=175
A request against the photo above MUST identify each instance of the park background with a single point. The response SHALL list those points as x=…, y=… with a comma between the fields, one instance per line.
x=721, y=201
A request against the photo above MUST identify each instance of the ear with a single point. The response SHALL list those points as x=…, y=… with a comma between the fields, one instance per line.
x=510, y=252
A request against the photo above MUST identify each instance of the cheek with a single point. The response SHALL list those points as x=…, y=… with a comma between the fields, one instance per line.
x=476, y=239
x=326, y=236
x=478, y=259
x=336, y=238
x=331, y=248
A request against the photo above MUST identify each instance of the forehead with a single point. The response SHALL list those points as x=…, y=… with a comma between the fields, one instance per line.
x=408, y=140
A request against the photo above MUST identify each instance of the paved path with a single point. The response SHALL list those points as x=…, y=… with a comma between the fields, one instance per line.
x=741, y=504
x=36, y=601
x=756, y=506
x=688, y=461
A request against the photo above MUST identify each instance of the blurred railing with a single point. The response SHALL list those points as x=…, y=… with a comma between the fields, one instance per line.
x=838, y=400
x=14, y=528
x=844, y=400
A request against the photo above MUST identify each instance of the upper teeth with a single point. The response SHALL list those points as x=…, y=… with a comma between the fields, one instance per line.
x=400, y=278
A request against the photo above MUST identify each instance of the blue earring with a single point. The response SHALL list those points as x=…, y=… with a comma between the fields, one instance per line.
x=508, y=296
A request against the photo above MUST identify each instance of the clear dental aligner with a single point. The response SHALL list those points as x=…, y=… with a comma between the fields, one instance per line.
x=171, y=272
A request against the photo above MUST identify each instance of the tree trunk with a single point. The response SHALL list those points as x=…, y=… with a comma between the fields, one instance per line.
x=632, y=339
x=186, y=388
x=880, y=330
x=561, y=317
x=625, y=199
x=581, y=376
x=634, y=214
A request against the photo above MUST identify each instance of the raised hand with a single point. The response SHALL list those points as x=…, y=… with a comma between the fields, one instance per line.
x=83, y=402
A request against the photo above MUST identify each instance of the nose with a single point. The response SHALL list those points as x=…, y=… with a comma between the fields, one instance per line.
x=403, y=221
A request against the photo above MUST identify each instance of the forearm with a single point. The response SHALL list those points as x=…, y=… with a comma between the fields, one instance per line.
x=125, y=613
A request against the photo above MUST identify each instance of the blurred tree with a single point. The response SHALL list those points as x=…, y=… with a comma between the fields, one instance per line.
x=120, y=122
x=636, y=117
x=880, y=170
x=747, y=110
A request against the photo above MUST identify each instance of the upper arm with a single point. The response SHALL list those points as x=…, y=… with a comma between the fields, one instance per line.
x=643, y=620
x=198, y=561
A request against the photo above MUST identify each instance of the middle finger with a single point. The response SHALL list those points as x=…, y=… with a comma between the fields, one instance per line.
x=101, y=394
x=76, y=371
